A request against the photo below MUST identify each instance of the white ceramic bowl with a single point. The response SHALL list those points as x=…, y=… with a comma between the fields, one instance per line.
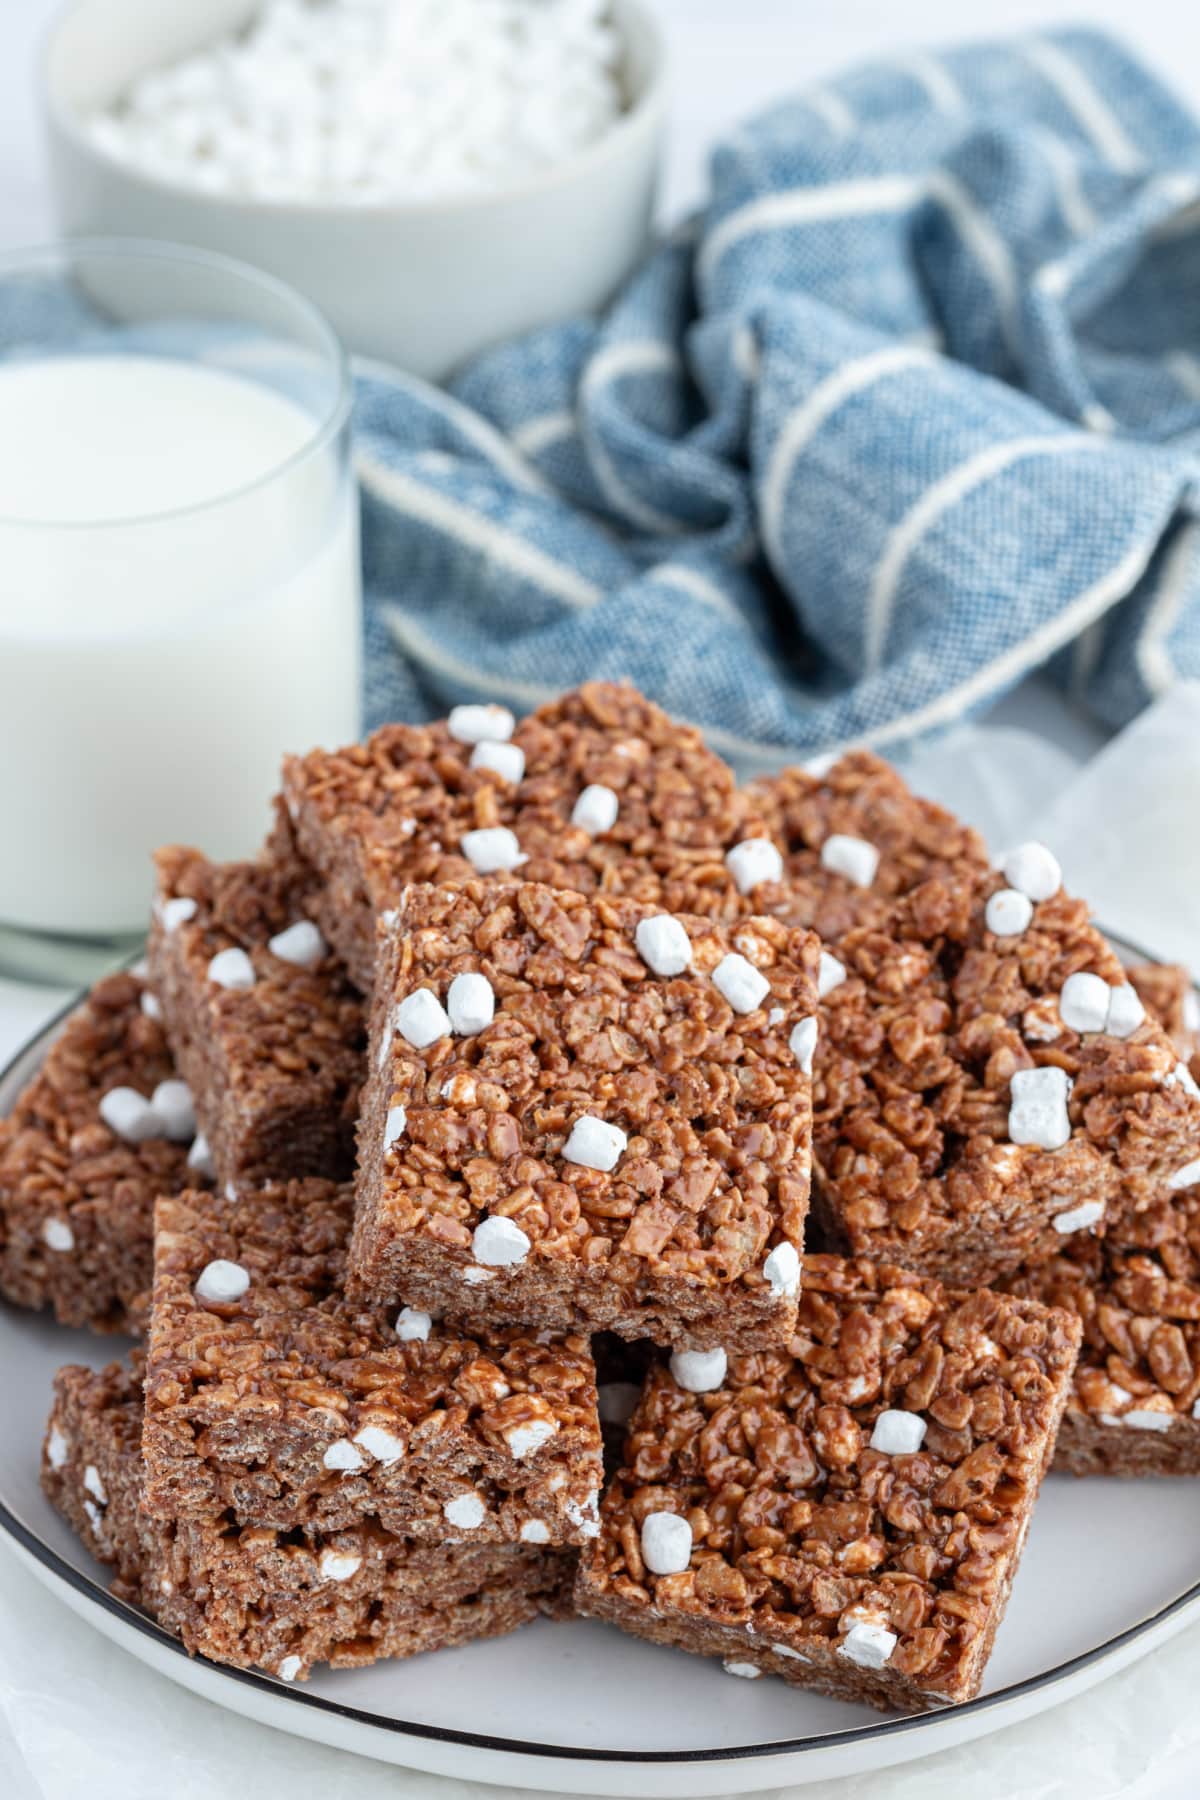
x=423, y=284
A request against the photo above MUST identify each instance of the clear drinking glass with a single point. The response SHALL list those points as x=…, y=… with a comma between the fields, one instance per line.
x=179, y=576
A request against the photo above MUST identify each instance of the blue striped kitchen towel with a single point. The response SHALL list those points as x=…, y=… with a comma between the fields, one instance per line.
x=911, y=408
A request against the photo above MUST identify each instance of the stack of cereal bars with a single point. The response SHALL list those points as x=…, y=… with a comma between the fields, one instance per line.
x=517, y=1052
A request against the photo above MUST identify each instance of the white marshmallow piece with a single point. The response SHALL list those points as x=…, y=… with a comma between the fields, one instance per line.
x=1188, y=1176
x=481, y=724
x=289, y=1668
x=803, y=1044
x=663, y=945
x=1083, y=1003
x=471, y=1004
x=752, y=862
x=596, y=810
x=130, y=1115
x=412, y=1325
x=746, y=1671
x=301, y=945
x=344, y=1457
x=492, y=850
x=232, y=969
x=222, y=1282
x=898, y=1433
x=781, y=1271
x=149, y=1004
x=499, y=1243
x=338, y=1565
x=465, y=1512
x=1033, y=870
x=739, y=982
x=383, y=1445
x=852, y=857
x=1125, y=1011
x=1078, y=1218
x=1037, y=1112
x=535, y=1531
x=595, y=1144
x=1008, y=913
x=57, y=1235
x=172, y=1102
x=699, y=1371
x=174, y=913
x=830, y=974
x=394, y=1124
x=505, y=760
x=1181, y=1076
x=421, y=1019
x=870, y=1646
x=1145, y=1419
x=57, y=1448
x=524, y=1440
x=666, y=1543
x=200, y=1158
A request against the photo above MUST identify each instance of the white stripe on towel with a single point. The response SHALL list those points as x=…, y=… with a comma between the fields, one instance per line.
x=1153, y=657
x=641, y=356
x=937, y=81
x=830, y=107
x=807, y=206
x=1091, y=111
x=534, y=435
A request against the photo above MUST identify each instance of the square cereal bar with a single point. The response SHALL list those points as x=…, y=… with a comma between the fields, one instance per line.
x=256, y=1598
x=1135, y=1404
x=83, y=1156
x=599, y=789
x=263, y=1021
x=849, y=1513
x=986, y=1080
x=586, y=1115
x=271, y=1397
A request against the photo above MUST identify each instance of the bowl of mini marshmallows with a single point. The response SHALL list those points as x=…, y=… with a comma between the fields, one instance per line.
x=437, y=175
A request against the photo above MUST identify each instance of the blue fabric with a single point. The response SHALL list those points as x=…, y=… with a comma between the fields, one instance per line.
x=911, y=408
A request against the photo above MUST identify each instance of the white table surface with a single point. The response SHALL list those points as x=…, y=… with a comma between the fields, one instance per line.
x=1138, y=1735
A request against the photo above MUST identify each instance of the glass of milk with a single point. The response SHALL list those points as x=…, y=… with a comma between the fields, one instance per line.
x=179, y=574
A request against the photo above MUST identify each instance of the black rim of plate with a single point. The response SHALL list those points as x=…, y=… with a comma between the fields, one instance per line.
x=91, y=1590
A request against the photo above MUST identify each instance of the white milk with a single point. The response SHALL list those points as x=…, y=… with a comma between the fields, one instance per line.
x=157, y=654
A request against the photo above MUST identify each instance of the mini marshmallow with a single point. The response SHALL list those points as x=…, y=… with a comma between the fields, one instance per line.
x=1078, y=1218
x=383, y=1445
x=1144, y=1419
x=481, y=724
x=870, y=1646
x=505, y=760
x=344, y=1456
x=57, y=1448
x=1033, y=870
x=830, y=974
x=412, y=1325
x=150, y=1005
x=1038, y=1110
x=200, y=1159
x=492, y=850
x=232, y=969
x=221, y=1282
x=465, y=1512
x=898, y=1433
x=523, y=1440
x=781, y=1271
x=474, y=1276
x=699, y=1371
x=595, y=1144
x=394, y=1124
x=1125, y=1011
x=93, y=1483
x=338, y=1565
x=172, y=1102
x=752, y=862
x=289, y=1668
x=301, y=945
x=499, y=1243
x=666, y=1543
x=130, y=1115
x=747, y=1671
x=173, y=913
x=663, y=945
x=852, y=857
x=1008, y=913
x=596, y=810
x=1181, y=1076
x=616, y=1401
x=471, y=1004
x=1083, y=1003
x=803, y=1043
x=739, y=982
x=1188, y=1176
x=421, y=1019
x=535, y=1531
x=57, y=1235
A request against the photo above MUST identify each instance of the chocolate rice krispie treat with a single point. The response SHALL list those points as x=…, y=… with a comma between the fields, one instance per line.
x=257, y=1597
x=102, y=1129
x=260, y=1014
x=600, y=789
x=584, y=1114
x=849, y=1513
x=271, y=1397
x=986, y=1080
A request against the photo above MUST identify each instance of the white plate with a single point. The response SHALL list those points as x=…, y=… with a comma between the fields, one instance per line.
x=581, y=1708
